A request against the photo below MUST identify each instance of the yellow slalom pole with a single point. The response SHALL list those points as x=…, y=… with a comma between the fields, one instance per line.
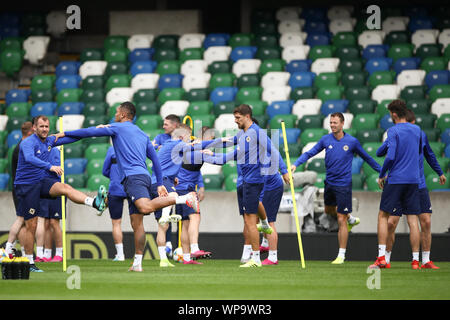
x=191, y=124
x=291, y=182
x=63, y=202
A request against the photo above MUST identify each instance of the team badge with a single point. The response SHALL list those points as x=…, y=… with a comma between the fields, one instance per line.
x=32, y=211
x=247, y=139
x=345, y=148
x=49, y=148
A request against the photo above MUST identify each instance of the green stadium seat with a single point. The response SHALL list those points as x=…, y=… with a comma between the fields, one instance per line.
x=327, y=79
x=443, y=163
x=432, y=182
x=362, y=106
x=372, y=183
x=354, y=79
x=96, y=151
x=165, y=54
x=428, y=50
x=200, y=107
x=42, y=82
x=15, y=123
x=224, y=107
x=15, y=43
x=230, y=182
x=95, y=181
x=447, y=52
x=11, y=61
x=266, y=53
x=41, y=96
x=366, y=121
x=330, y=93
x=93, y=121
x=74, y=150
x=149, y=122
x=68, y=95
x=96, y=140
x=438, y=148
x=270, y=65
x=400, y=50
x=191, y=54
x=115, y=41
x=345, y=38
x=433, y=134
x=220, y=67
x=320, y=182
x=213, y=181
x=152, y=133
x=248, y=80
x=381, y=77
x=95, y=108
x=289, y=121
x=312, y=135
x=77, y=181
x=202, y=120
x=368, y=170
x=419, y=106
x=397, y=37
x=92, y=96
x=170, y=94
x=382, y=107
x=262, y=120
x=369, y=135
x=18, y=109
x=94, y=166
x=52, y=123
x=92, y=82
x=258, y=106
x=433, y=63
x=439, y=91
x=200, y=94
x=266, y=40
x=311, y=121
x=229, y=168
x=347, y=65
x=295, y=150
x=264, y=27
x=166, y=41
x=3, y=165
x=443, y=122
x=347, y=52
x=145, y=95
x=115, y=68
x=248, y=93
x=357, y=93
x=426, y=121
x=116, y=55
x=317, y=165
x=413, y=93
x=321, y=51
x=241, y=40
x=118, y=81
x=91, y=54
x=168, y=67
x=222, y=80
x=371, y=147
x=358, y=182
x=3, y=135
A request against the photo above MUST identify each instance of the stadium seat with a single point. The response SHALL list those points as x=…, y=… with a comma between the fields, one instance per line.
x=248, y=93
x=437, y=77
x=191, y=40
x=145, y=95
x=385, y=91
x=170, y=81
x=139, y=67
x=14, y=137
x=193, y=66
x=115, y=41
x=318, y=38
x=220, y=67
x=303, y=93
x=386, y=122
x=276, y=94
x=166, y=41
x=325, y=65
x=138, y=41
x=18, y=109
x=224, y=107
x=270, y=65
x=331, y=106
x=92, y=121
x=443, y=121
x=432, y=134
x=67, y=68
x=424, y=36
x=264, y=53
x=222, y=94
x=298, y=52
x=400, y=51
x=413, y=93
x=369, y=135
x=67, y=108
x=75, y=165
x=419, y=106
x=119, y=95
x=381, y=77
x=225, y=122
x=291, y=25
x=199, y=94
x=330, y=93
x=298, y=65
x=223, y=80
x=200, y=108
x=91, y=54
x=301, y=79
x=165, y=54
x=306, y=107
x=71, y=122
x=275, y=79
x=292, y=38
x=213, y=182
x=94, y=167
x=292, y=135
x=144, y=81
x=426, y=120
x=353, y=79
x=115, y=68
x=140, y=54
x=447, y=151
x=68, y=95
x=95, y=181
x=432, y=182
x=311, y=121
x=177, y=107
x=289, y=120
x=35, y=49
x=327, y=79
x=143, y=108
x=17, y=95
x=230, y=182
x=378, y=64
x=68, y=82
x=321, y=51
x=92, y=95
x=118, y=81
x=372, y=182
x=170, y=94
x=375, y=51
x=42, y=82
x=279, y=107
x=241, y=40
x=42, y=96
x=216, y=39
x=410, y=78
x=357, y=163
x=312, y=135
x=243, y=53
x=92, y=68
x=362, y=106
x=439, y=91
x=196, y=81
x=309, y=146
x=216, y=53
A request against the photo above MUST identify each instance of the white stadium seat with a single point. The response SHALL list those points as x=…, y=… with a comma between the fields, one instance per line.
x=424, y=36
x=444, y=38
x=71, y=122
x=145, y=81
x=35, y=48
x=225, y=121
x=340, y=12
x=305, y=107
x=217, y=53
x=291, y=25
x=288, y=13
x=369, y=37
x=410, y=78
x=140, y=41
x=342, y=25
x=191, y=40
x=299, y=52
x=119, y=95
x=3, y=122
x=440, y=106
x=292, y=39
x=177, y=107
x=246, y=66
x=275, y=79
x=348, y=118
x=193, y=66
x=399, y=23
x=276, y=94
x=309, y=146
x=92, y=68
x=386, y=92
x=325, y=65
x=196, y=81
x=208, y=168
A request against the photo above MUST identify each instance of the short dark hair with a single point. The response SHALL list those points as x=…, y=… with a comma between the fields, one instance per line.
x=129, y=108
x=36, y=119
x=339, y=115
x=26, y=127
x=398, y=107
x=410, y=116
x=243, y=109
x=255, y=121
x=173, y=118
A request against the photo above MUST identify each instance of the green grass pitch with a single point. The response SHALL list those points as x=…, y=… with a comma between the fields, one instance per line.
x=224, y=280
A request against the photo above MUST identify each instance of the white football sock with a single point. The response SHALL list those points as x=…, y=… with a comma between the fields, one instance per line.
x=8, y=247
x=273, y=255
x=387, y=256
x=256, y=257
x=265, y=223
x=39, y=252
x=351, y=219
x=415, y=256
x=341, y=253
x=119, y=249
x=264, y=242
x=137, y=260
x=30, y=258
x=194, y=247
x=182, y=199
x=47, y=253
x=89, y=201
x=162, y=253
x=381, y=250
x=247, y=251
x=59, y=252
x=166, y=211
x=187, y=257
x=425, y=257
x=169, y=244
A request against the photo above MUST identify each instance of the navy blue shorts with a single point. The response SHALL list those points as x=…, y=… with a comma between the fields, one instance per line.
x=239, y=198
x=425, y=203
x=115, y=205
x=170, y=187
x=338, y=196
x=51, y=208
x=183, y=209
x=400, y=197
x=136, y=187
x=271, y=201
x=29, y=197
x=248, y=197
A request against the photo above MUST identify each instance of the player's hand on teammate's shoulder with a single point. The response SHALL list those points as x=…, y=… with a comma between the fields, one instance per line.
x=103, y=126
x=162, y=191
x=59, y=135
x=56, y=169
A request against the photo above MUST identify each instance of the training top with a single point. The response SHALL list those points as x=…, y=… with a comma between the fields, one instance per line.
x=403, y=154
x=428, y=154
x=111, y=171
x=338, y=158
x=34, y=158
x=131, y=147
x=160, y=139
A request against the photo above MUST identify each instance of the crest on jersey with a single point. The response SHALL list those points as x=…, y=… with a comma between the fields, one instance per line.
x=345, y=148
x=49, y=148
x=247, y=139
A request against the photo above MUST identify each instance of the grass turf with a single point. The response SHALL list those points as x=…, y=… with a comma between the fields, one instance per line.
x=224, y=280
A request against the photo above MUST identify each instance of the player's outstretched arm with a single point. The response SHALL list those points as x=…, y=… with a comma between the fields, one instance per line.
x=318, y=147
x=382, y=150
x=367, y=158
x=390, y=155
x=27, y=149
x=91, y=132
x=106, y=171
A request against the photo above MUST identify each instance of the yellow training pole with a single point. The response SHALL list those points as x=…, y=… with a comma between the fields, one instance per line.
x=291, y=182
x=63, y=202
